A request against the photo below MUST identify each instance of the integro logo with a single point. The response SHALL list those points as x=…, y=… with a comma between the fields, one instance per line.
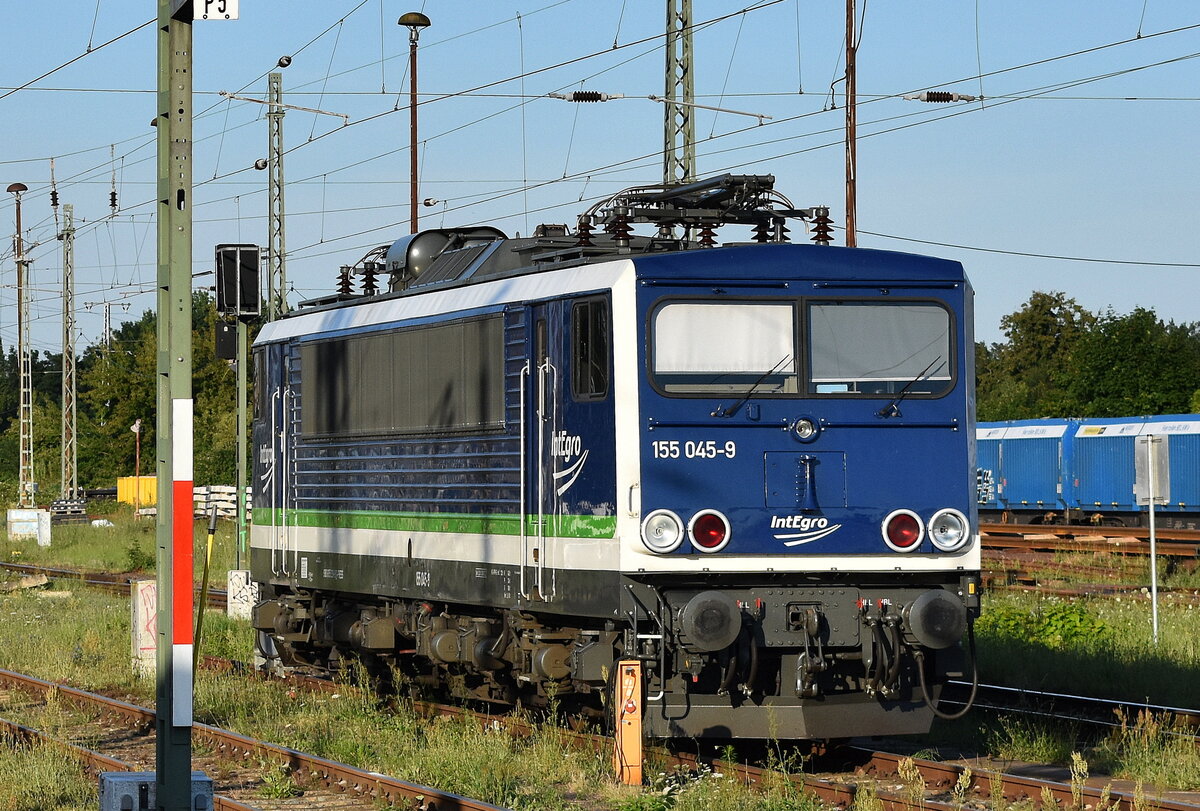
x=802, y=522
x=811, y=528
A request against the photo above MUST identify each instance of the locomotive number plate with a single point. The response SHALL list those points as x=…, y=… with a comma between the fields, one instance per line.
x=700, y=449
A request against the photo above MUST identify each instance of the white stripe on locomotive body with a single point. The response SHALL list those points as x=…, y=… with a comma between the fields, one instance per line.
x=626, y=552
x=588, y=554
x=582, y=554
x=453, y=301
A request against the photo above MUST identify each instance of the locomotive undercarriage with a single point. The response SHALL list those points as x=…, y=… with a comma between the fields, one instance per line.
x=816, y=661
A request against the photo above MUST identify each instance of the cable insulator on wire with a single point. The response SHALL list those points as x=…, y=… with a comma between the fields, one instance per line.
x=940, y=96
x=112, y=195
x=586, y=96
x=54, y=196
x=822, y=227
x=345, y=285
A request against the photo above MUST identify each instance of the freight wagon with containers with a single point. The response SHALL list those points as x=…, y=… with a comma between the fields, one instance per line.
x=749, y=468
x=1087, y=471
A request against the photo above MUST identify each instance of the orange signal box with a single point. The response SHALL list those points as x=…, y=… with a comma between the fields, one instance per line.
x=627, y=754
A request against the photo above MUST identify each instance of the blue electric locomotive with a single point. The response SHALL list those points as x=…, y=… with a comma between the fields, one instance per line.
x=750, y=468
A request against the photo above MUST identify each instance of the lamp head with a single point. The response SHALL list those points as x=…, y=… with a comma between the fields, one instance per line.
x=414, y=21
x=17, y=188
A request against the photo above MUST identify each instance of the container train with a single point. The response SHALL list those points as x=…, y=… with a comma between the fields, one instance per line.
x=749, y=468
x=1088, y=471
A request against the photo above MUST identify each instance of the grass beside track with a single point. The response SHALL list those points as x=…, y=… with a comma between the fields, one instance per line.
x=127, y=546
x=1099, y=647
x=81, y=637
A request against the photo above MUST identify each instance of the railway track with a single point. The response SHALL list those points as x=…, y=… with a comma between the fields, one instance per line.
x=1071, y=538
x=899, y=782
x=129, y=731
x=943, y=786
x=895, y=780
x=1066, y=708
x=115, y=582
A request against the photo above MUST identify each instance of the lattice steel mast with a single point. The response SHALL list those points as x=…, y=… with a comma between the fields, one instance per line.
x=69, y=469
x=679, y=148
x=25, y=482
x=276, y=249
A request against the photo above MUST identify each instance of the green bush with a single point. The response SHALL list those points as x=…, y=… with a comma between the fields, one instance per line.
x=1055, y=624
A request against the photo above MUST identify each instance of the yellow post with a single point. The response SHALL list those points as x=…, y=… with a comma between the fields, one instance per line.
x=212, y=530
x=627, y=754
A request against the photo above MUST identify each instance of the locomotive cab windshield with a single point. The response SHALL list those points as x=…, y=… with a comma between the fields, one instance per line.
x=851, y=348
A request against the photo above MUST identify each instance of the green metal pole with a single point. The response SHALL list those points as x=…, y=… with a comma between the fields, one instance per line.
x=174, y=418
x=242, y=372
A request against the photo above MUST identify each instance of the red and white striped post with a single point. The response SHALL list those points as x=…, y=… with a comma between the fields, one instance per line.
x=182, y=568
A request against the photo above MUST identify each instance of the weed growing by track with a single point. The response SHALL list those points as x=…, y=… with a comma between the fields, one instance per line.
x=1153, y=750
x=40, y=778
x=1034, y=741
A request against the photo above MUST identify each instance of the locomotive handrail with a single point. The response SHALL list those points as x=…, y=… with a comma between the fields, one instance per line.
x=952, y=424
x=524, y=451
x=284, y=438
x=778, y=425
x=275, y=395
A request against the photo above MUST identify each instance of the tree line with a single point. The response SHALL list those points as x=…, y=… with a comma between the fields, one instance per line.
x=1057, y=360
x=1060, y=360
x=115, y=387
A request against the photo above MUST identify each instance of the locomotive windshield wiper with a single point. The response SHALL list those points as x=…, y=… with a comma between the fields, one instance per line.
x=892, y=409
x=733, y=409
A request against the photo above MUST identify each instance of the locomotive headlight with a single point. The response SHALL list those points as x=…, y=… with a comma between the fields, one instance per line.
x=948, y=529
x=804, y=429
x=662, y=531
x=903, y=530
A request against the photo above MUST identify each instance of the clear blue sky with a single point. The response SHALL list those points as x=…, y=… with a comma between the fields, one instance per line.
x=1090, y=154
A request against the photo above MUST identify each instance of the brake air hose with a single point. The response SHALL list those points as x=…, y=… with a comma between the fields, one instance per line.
x=920, y=657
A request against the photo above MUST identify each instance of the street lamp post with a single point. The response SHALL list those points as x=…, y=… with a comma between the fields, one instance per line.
x=414, y=21
x=25, y=408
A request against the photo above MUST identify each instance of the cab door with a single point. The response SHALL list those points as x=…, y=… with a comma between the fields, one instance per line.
x=541, y=416
x=274, y=441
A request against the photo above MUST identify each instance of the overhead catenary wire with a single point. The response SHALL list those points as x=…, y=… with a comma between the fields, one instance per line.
x=586, y=175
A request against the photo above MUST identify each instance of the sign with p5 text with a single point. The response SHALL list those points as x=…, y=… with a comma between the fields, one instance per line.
x=215, y=9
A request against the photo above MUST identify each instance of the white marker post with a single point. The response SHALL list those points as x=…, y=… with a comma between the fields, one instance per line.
x=1151, y=485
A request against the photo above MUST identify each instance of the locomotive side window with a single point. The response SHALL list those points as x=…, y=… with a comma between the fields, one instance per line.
x=435, y=378
x=723, y=348
x=260, y=383
x=589, y=349
x=873, y=348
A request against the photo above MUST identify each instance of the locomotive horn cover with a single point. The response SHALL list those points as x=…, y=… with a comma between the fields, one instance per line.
x=710, y=621
x=936, y=619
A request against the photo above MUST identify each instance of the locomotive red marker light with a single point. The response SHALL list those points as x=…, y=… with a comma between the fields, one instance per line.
x=709, y=531
x=903, y=530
